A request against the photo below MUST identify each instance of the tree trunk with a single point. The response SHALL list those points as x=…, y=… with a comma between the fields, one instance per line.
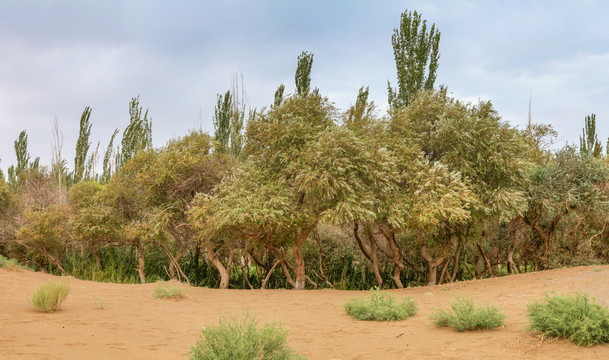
x=141, y=264
x=222, y=270
x=268, y=275
x=390, y=237
x=486, y=260
x=433, y=264
x=370, y=254
x=299, y=264
x=457, y=255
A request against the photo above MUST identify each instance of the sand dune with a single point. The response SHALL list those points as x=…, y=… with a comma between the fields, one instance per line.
x=134, y=325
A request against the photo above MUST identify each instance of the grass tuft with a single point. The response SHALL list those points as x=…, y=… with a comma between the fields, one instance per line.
x=50, y=296
x=235, y=338
x=576, y=318
x=465, y=316
x=381, y=307
x=164, y=291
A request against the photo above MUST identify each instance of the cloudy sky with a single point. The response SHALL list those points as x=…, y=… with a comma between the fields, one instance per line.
x=57, y=57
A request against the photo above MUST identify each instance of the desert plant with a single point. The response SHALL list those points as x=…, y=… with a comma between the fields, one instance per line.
x=100, y=303
x=576, y=318
x=235, y=338
x=164, y=291
x=464, y=315
x=50, y=296
x=380, y=306
x=10, y=264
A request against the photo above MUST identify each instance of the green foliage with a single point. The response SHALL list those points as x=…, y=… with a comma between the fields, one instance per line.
x=416, y=53
x=222, y=119
x=381, y=307
x=138, y=134
x=16, y=174
x=465, y=316
x=50, y=296
x=165, y=291
x=575, y=318
x=82, y=145
x=108, y=155
x=235, y=338
x=10, y=264
x=279, y=95
x=588, y=142
x=46, y=231
x=303, y=73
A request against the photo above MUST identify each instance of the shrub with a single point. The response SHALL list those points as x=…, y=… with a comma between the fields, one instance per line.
x=50, y=296
x=380, y=307
x=464, y=315
x=164, y=291
x=11, y=264
x=575, y=318
x=233, y=338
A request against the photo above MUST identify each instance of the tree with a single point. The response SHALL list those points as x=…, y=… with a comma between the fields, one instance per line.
x=82, y=145
x=137, y=135
x=588, y=142
x=567, y=184
x=416, y=54
x=16, y=174
x=303, y=73
x=222, y=119
x=45, y=231
x=108, y=156
x=279, y=95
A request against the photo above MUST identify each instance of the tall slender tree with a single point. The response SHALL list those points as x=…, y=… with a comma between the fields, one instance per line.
x=303, y=73
x=138, y=134
x=82, y=145
x=416, y=53
x=588, y=142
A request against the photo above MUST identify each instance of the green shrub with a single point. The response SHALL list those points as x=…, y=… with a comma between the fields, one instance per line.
x=11, y=264
x=575, y=318
x=234, y=338
x=50, y=296
x=464, y=315
x=380, y=307
x=164, y=291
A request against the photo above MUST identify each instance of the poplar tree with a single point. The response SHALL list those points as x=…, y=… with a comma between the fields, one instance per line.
x=279, y=95
x=588, y=142
x=106, y=165
x=222, y=115
x=82, y=145
x=138, y=134
x=416, y=53
x=303, y=73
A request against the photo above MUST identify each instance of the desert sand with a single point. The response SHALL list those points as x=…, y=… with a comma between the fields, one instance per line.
x=135, y=325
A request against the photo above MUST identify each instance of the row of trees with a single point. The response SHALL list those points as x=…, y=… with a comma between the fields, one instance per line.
x=301, y=194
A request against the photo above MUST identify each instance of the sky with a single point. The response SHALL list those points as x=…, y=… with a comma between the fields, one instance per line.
x=58, y=57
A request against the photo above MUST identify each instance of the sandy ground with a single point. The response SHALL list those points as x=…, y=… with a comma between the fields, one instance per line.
x=134, y=325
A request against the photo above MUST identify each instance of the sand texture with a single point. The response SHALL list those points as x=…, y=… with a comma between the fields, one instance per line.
x=135, y=325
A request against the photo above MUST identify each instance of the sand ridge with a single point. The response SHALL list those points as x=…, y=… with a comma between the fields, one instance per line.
x=135, y=325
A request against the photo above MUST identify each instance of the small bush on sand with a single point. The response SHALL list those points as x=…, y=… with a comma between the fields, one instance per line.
x=464, y=316
x=235, y=338
x=381, y=306
x=575, y=318
x=11, y=264
x=50, y=296
x=164, y=291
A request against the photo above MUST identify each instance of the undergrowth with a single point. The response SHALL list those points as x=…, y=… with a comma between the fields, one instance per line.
x=576, y=318
x=381, y=306
x=465, y=316
x=165, y=291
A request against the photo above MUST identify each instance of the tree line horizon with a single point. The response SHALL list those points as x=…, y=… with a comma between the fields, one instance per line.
x=300, y=194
